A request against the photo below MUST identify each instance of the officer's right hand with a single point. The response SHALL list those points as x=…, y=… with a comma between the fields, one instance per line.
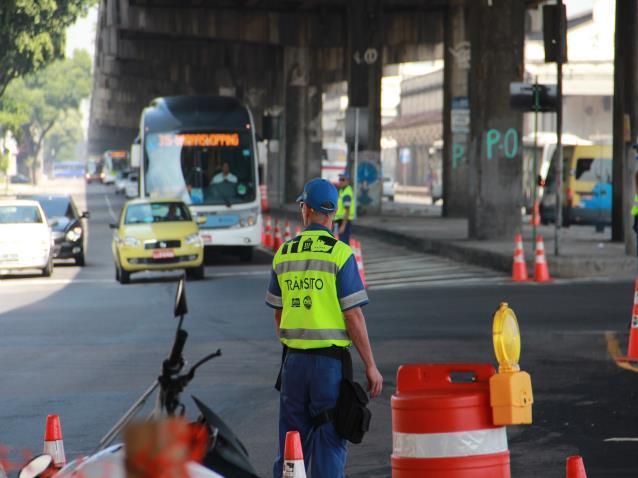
x=375, y=381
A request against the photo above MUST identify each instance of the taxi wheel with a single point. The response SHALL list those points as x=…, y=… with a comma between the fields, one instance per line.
x=125, y=277
x=195, y=273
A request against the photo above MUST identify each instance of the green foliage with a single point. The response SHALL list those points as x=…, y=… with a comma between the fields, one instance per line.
x=64, y=137
x=32, y=105
x=32, y=34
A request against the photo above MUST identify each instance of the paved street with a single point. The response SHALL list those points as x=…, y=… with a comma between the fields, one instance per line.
x=82, y=345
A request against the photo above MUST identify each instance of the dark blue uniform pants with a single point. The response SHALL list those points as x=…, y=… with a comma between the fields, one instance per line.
x=309, y=385
x=345, y=236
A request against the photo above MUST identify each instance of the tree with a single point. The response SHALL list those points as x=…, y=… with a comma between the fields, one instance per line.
x=64, y=137
x=32, y=34
x=32, y=105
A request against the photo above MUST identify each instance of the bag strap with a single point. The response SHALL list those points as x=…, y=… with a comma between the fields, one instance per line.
x=346, y=364
x=284, y=352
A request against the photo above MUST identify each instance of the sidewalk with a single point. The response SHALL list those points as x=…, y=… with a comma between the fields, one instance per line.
x=584, y=253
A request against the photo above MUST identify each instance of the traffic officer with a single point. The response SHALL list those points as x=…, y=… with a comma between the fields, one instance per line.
x=346, y=208
x=317, y=295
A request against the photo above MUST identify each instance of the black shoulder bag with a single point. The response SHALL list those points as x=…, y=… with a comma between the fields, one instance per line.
x=351, y=417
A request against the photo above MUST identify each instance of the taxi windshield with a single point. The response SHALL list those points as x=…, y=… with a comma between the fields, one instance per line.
x=149, y=213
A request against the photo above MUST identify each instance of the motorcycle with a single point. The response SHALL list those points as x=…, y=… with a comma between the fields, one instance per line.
x=225, y=456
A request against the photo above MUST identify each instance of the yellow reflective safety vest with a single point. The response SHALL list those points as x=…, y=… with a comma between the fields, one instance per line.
x=341, y=210
x=634, y=209
x=306, y=269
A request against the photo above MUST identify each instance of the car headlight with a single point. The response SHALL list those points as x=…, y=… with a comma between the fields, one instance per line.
x=74, y=234
x=131, y=241
x=194, y=240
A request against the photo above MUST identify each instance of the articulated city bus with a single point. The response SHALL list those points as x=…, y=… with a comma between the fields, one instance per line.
x=203, y=150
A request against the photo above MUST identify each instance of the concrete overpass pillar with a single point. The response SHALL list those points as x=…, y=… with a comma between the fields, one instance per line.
x=364, y=71
x=497, y=32
x=625, y=123
x=302, y=117
x=456, y=111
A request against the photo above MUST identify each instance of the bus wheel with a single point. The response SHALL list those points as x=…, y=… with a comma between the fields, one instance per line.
x=246, y=254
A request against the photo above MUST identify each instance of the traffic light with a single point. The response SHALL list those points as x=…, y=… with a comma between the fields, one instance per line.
x=533, y=97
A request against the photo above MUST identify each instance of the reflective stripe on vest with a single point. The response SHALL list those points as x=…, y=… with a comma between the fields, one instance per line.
x=341, y=210
x=450, y=444
x=306, y=269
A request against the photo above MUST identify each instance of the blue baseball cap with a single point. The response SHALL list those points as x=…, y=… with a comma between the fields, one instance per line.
x=320, y=195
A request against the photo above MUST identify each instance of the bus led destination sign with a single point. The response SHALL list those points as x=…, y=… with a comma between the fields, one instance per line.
x=189, y=140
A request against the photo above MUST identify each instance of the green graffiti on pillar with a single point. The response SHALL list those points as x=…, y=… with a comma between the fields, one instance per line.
x=507, y=143
x=458, y=151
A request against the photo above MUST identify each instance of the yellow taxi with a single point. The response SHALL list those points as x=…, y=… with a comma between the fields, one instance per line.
x=156, y=234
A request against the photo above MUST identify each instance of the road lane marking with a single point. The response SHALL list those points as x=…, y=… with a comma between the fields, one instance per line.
x=614, y=351
x=621, y=439
x=111, y=212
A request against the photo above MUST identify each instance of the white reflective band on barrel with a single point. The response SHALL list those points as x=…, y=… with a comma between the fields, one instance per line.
x=454, y=444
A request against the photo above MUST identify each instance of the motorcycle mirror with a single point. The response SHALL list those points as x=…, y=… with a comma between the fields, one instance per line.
x=181, y=307
x=36, y=466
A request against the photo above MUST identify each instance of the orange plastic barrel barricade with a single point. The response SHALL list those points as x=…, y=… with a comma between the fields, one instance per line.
x=443, y=428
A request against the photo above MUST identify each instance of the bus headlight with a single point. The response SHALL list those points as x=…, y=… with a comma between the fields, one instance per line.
x=251, y=220
x=194, y=240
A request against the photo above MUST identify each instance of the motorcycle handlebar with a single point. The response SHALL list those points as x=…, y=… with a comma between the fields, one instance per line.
x=175, y=359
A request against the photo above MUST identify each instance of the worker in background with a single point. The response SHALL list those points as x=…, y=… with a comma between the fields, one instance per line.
x=346, y=208
x=317, y=295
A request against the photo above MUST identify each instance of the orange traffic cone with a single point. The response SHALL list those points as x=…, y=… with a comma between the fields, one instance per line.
x=268, y=239
x=519, y=267
x=287, y=234
x=632, y=348
x=575, y=467
x=53, y=442
x=356, y=248
x=541, y=272
x=293, y=457
x=277, y=241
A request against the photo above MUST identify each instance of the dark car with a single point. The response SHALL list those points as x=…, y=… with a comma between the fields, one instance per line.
x=66, y=224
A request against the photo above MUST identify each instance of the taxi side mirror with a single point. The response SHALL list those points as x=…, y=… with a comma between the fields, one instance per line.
x=113, y=225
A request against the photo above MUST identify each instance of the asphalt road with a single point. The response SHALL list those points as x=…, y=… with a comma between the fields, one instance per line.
x=81, y=345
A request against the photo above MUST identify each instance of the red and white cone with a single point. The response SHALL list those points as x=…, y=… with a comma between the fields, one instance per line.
x=356, y=248
x=519, y=267
x=287, y=234
x=541, y=272
x=632, y=347
x=293, y=457
x=53, y=442
x=575, y=467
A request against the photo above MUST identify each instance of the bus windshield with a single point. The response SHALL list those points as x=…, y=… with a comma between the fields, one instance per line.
x=211, y=168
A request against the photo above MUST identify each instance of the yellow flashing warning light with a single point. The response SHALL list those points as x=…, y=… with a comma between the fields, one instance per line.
x=511, y=395
x=507, y=339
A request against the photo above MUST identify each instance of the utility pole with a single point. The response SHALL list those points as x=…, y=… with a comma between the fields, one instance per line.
x=559, y=126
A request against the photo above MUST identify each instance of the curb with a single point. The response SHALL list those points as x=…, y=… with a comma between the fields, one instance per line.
x=565, y=267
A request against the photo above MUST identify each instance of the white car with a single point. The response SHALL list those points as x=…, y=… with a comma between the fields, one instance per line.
x=131, y=186
x=388, y=188
x=26, y=240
